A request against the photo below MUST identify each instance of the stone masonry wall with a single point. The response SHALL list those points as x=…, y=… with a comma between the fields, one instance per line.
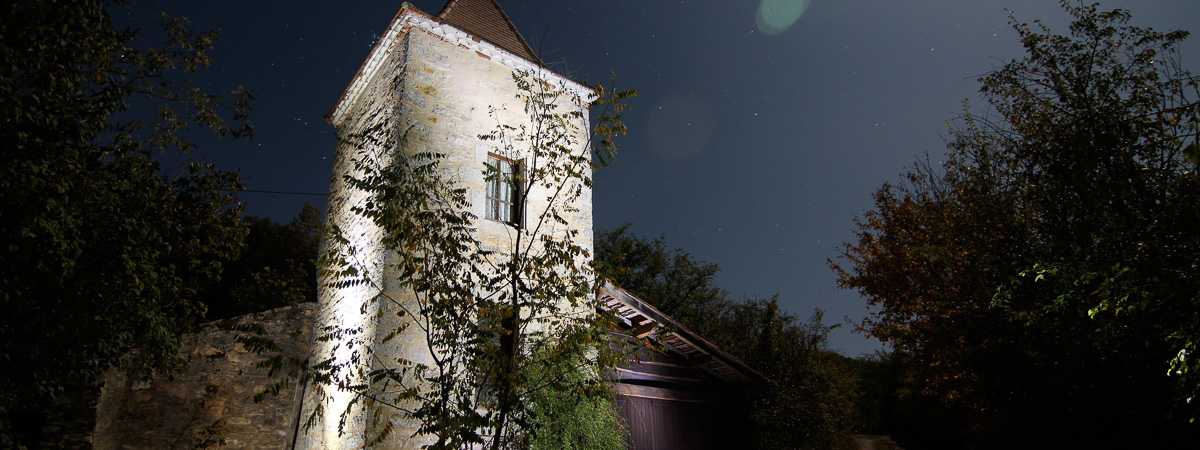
x=439, y=92
x=210, y=402
x=374, y=108
x=446, y=94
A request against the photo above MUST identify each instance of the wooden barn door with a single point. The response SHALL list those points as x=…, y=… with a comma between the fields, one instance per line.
x=665, y=419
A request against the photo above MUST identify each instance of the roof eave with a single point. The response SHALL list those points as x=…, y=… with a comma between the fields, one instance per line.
x=699, y=341
x=407, y=8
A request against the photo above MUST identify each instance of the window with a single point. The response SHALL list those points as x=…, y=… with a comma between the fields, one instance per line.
x=502, y=177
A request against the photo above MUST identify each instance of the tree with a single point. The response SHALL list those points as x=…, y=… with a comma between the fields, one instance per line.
x=672, y=279
x=499, y=327
x=103, y=253
x=565, y=420
x=277, y=267
x=1045, y=278
x=893, y=403
x=809, y=402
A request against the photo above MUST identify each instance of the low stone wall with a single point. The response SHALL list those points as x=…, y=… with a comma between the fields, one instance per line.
x=210, y=403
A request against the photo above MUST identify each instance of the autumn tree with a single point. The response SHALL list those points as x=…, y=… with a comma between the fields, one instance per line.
x=1043, y=280
x=103, y=252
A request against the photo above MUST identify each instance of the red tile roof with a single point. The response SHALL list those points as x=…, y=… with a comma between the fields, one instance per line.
x=485, y=19
x=482, y=18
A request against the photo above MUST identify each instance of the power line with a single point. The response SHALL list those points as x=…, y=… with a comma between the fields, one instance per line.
x=287, y=192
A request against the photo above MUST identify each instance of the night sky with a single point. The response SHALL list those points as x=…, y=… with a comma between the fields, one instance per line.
x=755, y=142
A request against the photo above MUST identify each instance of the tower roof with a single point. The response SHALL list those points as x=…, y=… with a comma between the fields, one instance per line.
x=485, y=19
x=476, y=24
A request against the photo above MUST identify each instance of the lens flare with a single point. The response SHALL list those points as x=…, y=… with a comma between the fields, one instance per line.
x=776, y=16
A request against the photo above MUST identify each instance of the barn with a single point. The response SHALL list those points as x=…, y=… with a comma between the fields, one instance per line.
x=681, y=391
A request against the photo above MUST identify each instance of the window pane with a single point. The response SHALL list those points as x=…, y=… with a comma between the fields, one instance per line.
x=514, y=192
x=502, y=184
x=492, y=182
x=506, y=190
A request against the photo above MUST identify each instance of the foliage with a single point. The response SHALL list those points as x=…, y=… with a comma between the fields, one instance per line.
x=672, y=279
x=496, y=323
x=566, y=420
x=277, y=267
x=810, y=400
x=892, y=403
x=810, y=403
x=1051, y=263
x=102, y=252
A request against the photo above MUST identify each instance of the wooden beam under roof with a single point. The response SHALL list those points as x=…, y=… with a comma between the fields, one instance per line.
x=637, y=314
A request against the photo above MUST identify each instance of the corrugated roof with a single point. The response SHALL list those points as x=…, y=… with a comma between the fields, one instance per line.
x=485, y=18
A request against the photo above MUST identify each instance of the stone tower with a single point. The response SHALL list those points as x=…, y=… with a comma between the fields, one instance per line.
x=437, y=77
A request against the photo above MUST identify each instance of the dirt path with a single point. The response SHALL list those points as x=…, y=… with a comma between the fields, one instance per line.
x=875, y=442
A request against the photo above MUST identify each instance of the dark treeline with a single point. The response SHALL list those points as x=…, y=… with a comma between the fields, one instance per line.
x=103, y=252
x=817, y=399
x=277, y=266
x=1041, y=288
x=273, y=265
x=811, y=399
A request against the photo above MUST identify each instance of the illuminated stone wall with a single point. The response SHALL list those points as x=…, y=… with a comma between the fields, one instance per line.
x=375, y=107
x=211, y=400
x=440, y=88
x=440, y=84
x=448, y=91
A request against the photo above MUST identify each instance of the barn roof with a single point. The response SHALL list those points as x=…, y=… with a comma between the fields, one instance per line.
x=644, y=320
x=485, y=19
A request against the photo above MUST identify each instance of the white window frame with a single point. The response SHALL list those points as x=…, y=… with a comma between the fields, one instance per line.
x=502, y=201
